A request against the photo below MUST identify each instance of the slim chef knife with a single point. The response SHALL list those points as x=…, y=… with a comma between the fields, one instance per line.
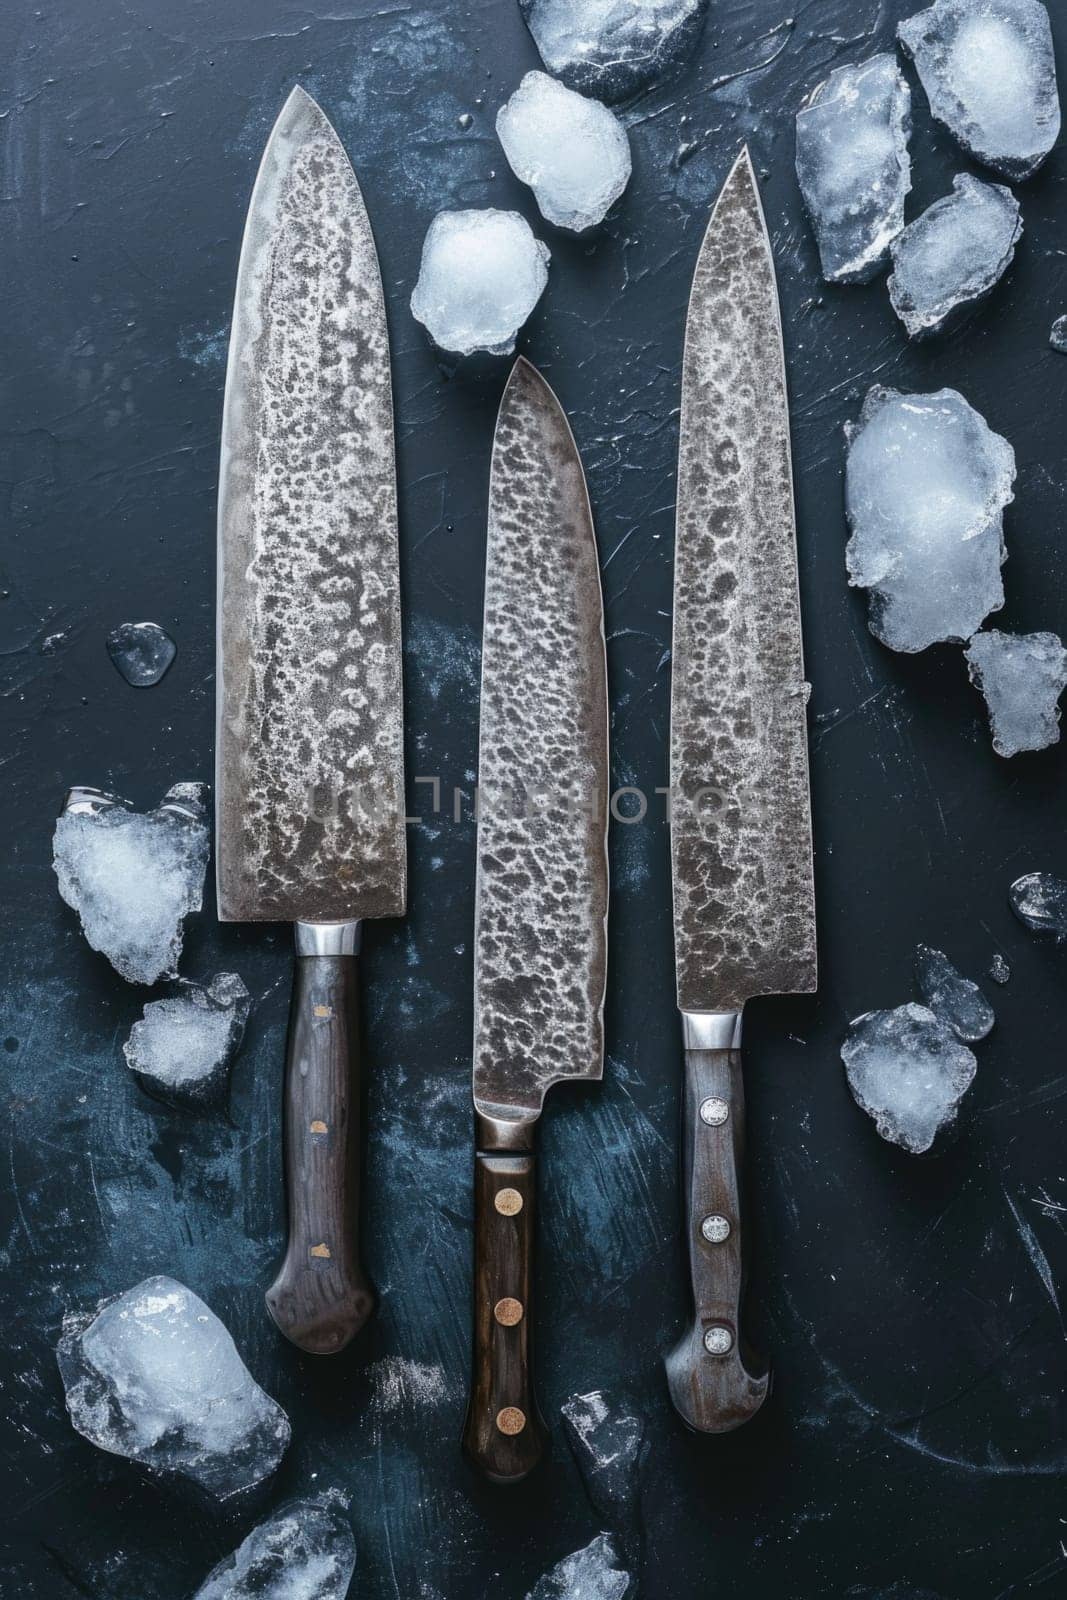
x=309, y=751
x=741, y=852
x=542, y=878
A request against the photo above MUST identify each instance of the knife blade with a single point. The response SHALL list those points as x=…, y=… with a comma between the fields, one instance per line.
x=542, y=878
x=309, y=744
x=741, y=845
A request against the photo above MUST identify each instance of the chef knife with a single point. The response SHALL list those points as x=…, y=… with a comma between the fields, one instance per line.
x=741, y=851
x=542, y=878
x=309, y=760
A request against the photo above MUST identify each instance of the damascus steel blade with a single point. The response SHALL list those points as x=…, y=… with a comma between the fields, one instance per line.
x=309, y=752
x=542, y=872
x=744, y=908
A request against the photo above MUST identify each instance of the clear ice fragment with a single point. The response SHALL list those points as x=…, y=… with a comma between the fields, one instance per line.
x=1022, y=676
x=183, y=1047
x=133, y=878
x=141, y=651
x=612, y=48
x=305, y=1551
x=481, y=275
x=853, y=165
x=953, y=255
x=595, y=1572
x=154, y=1376
x=990, y=76
x=909, y=1072
x=573, y=152
x=1058, y=336
x=1039, y=900
x=926, y=483
x=609, y=1444
x=951, y=996
x=999, y=970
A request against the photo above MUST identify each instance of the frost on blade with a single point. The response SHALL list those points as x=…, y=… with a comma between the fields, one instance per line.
x=154, y=1376
x=573, y=152
x=1039, y=900
x=953, y=255
x=926, y=483
x=951, y=996
x=908, y=1071
x=853, y=165
x=183, y=1047
x=481, y=275
x=592, y=1573
x=612, y=48
x=133, y=878
x=990, y=76
x=142, y=652
x=609, y=1444
x=1022, y=676
x=305, y=1551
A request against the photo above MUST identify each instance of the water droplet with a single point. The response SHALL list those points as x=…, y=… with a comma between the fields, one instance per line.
x=465, y=121
x=142, y=652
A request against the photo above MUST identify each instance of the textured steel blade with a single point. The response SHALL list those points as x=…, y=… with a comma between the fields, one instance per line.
x=309, y=751
x=542, y=875
x=744, y=904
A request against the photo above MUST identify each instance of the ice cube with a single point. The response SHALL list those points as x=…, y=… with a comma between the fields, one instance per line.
x=926, y=483
x=142, y=652
x=908, y=1071
x=990, y=76
x=1039, y=900
x=1022, y=676
x=1058, y=336
x=612, y=48
x=183, y=1047
x=572, y=152
x=154, y=1376
x=593, y=1573
x=609, y=1444
x=953, y=255
x=853, y=165
x=999, y=970
x=133, y=878
x=305, y=1551
x=951, y=996
x=481, y=275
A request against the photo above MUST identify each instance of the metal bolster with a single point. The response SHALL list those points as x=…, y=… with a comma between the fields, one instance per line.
x=711, y=1030
x=328, y=938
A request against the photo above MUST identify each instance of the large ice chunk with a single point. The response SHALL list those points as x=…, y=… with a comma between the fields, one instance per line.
x=990, y=76
x=926, y=483
x=481, y=275
x=853, y=165
x=908, y=1071
x=573, y=152
x=305, y=1551
x=183, y=1047
x=1039, y=900
x=595, y=1572
x=154, y=1376
x=609, y=1443
x=133, y=878
x=142, y=652
x=1058, y=336
x=953, y=255
x=1022, y=676
x=612, y=48
x=951, y=996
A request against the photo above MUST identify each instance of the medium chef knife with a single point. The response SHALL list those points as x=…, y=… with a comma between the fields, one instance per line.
x=542, y=878
x=741, y=852
x=309, y=759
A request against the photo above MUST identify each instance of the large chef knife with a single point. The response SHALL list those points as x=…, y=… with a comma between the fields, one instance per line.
x=542, y=878
x=741, y=852
x=309, y=761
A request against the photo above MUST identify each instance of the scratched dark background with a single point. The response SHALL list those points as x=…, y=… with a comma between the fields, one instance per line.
x=916, y=1433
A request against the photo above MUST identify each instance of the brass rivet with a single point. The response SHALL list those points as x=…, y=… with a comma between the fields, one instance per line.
x=508, y=1311
x=318, y=1126
x=323, y=1011
x=511, y=1420
x=322, y=1251
x=509, y=1203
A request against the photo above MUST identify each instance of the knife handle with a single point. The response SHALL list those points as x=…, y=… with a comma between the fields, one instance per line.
x=503, y=1435
x=715, y=1381
x=321, y=1296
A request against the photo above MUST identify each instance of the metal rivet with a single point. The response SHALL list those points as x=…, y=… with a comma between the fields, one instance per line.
x=715, y=1228
x=508, y=1311
x=318, y=1126
x=511, y=1420
x=718, y=1341
x=714, y=1111
x=508, y=1202
x=322, y=1251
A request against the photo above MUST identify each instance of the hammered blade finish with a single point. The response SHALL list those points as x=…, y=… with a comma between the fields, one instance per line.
x=542, y=873
x=744, y=906
x=309, y=752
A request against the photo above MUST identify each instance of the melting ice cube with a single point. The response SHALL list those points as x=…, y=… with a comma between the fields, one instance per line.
x=305, y=1551
x=926, y=482
x=990, y=76
x=908, y=1071
x=142, y=652
x=953, y=255
x=952, y=996
x=481, y=275
x=1039, y=900
x=853, y=165
x=593, y=1573
x=612, y=48
x=183, y=1047
x=1022, y=676
x=609, y=1444
x=573, y=152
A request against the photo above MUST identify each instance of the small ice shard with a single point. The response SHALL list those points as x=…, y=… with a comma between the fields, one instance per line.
x=133, y=877
x=999, y=970
x=853, y=165
x=481, y=275
x=908, y=1071
x=953, y=255
x=305, y=1551
x=926, y=483
x=183, y=1047
x=1022, y=676
x=154, y=1376
x=951, y=996
x=609, y=1445
x=1039, y=900
x=573, y=152
x=1058, y=337
x=990, y=76
x=142, y=652
x=593, y=1573
x=612, y=48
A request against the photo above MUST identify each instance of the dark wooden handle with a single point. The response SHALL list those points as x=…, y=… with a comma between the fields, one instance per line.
x=716, y=1382
x=503, y=1435
x=321, y=1296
